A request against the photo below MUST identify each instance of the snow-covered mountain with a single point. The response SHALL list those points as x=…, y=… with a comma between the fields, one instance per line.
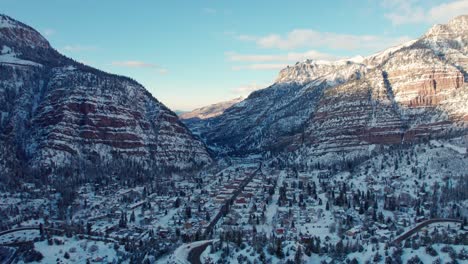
x=55, y=112
x=335, y=111
x=211, y=110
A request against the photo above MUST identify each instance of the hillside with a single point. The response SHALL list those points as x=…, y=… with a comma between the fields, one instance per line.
x=60, y=114
x=320, y=111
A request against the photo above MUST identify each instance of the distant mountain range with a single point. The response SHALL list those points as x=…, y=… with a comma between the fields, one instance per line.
x=328, y=112
x=58, y=114
x=211, y=110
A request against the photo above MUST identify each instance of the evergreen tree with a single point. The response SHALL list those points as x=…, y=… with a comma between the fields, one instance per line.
x=132, y=217
x=298, y=255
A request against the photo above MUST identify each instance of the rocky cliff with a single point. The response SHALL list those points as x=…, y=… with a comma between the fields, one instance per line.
x=56, y=112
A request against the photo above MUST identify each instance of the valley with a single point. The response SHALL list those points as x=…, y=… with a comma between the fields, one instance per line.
x=359, y=160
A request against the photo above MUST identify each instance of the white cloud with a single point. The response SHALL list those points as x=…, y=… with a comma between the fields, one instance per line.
x=78, y=48
x=412, y=11
x=245, y=90
x=260, y=66
x=274, y=62
x=300, y=38
x=288, y=57
x=140, y=64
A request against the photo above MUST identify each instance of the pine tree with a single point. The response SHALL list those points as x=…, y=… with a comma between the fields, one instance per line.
x=132, y=217
x=279, y=248
x=298, y=255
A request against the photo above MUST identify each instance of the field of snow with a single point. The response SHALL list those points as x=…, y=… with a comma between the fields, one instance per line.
x=19, y=236
x=79, y=251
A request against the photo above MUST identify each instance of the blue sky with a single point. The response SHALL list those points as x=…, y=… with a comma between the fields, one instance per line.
x=190, y=53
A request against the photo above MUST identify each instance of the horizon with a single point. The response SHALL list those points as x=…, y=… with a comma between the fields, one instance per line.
x=215, y=51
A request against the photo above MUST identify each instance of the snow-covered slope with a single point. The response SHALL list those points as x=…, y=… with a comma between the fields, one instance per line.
x=211, y=110
x=55, y=112
x=320, y=71
x=338, y=110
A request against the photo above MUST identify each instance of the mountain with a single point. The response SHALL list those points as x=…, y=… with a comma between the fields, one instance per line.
x=211, y=110
x=328, y=112
x=58, y=113
x=180, y=112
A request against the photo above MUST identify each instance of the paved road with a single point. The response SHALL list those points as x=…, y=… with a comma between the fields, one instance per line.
x=56, y=231
x=18, y=229
x=29, y=228
x=195, y=253
x=421, y=225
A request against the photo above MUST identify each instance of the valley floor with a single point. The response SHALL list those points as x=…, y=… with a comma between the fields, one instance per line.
x=256, y=213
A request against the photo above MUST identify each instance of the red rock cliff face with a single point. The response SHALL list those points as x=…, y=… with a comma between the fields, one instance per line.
x=107, y=116
x=57, y=112
x=413, y=96
x=354, y=115
x=418, y=78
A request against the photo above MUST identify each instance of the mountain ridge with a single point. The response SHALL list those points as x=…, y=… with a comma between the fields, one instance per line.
x=58, y=113
x=210, y=110
x=317, y=110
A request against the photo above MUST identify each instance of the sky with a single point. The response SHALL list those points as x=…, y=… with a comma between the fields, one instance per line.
x=192, y=53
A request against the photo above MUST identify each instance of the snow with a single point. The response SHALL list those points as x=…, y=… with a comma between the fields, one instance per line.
x=5, y=49
x=70, y=68
x=10, y=58
x=19, y=236
x=460, y=150
x=79, y=251
x=6, y=22
x=389, y=51
x=211, y=110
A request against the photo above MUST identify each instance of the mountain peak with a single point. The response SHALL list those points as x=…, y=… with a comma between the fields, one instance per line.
x=7, y=22
x=455, y=27
x=459, y=20
x=330, y=71
x=17, y=34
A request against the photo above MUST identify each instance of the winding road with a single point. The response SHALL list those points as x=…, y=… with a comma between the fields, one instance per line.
x=421, y=225
x=195, y=253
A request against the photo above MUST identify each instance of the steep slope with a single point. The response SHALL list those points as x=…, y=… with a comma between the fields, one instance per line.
x=56, y=112
x=334, y=111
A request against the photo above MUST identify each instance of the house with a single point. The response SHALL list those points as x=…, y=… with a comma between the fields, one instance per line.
x=280, y=231
x=241, y=201
x=353, y=231
x=163, y=232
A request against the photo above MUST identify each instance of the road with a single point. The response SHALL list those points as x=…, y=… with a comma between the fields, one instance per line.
x=29, y=228
x=195, y=253
x=421, y=225
x=56, y=231
x=190, y=252
x=18, y=229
